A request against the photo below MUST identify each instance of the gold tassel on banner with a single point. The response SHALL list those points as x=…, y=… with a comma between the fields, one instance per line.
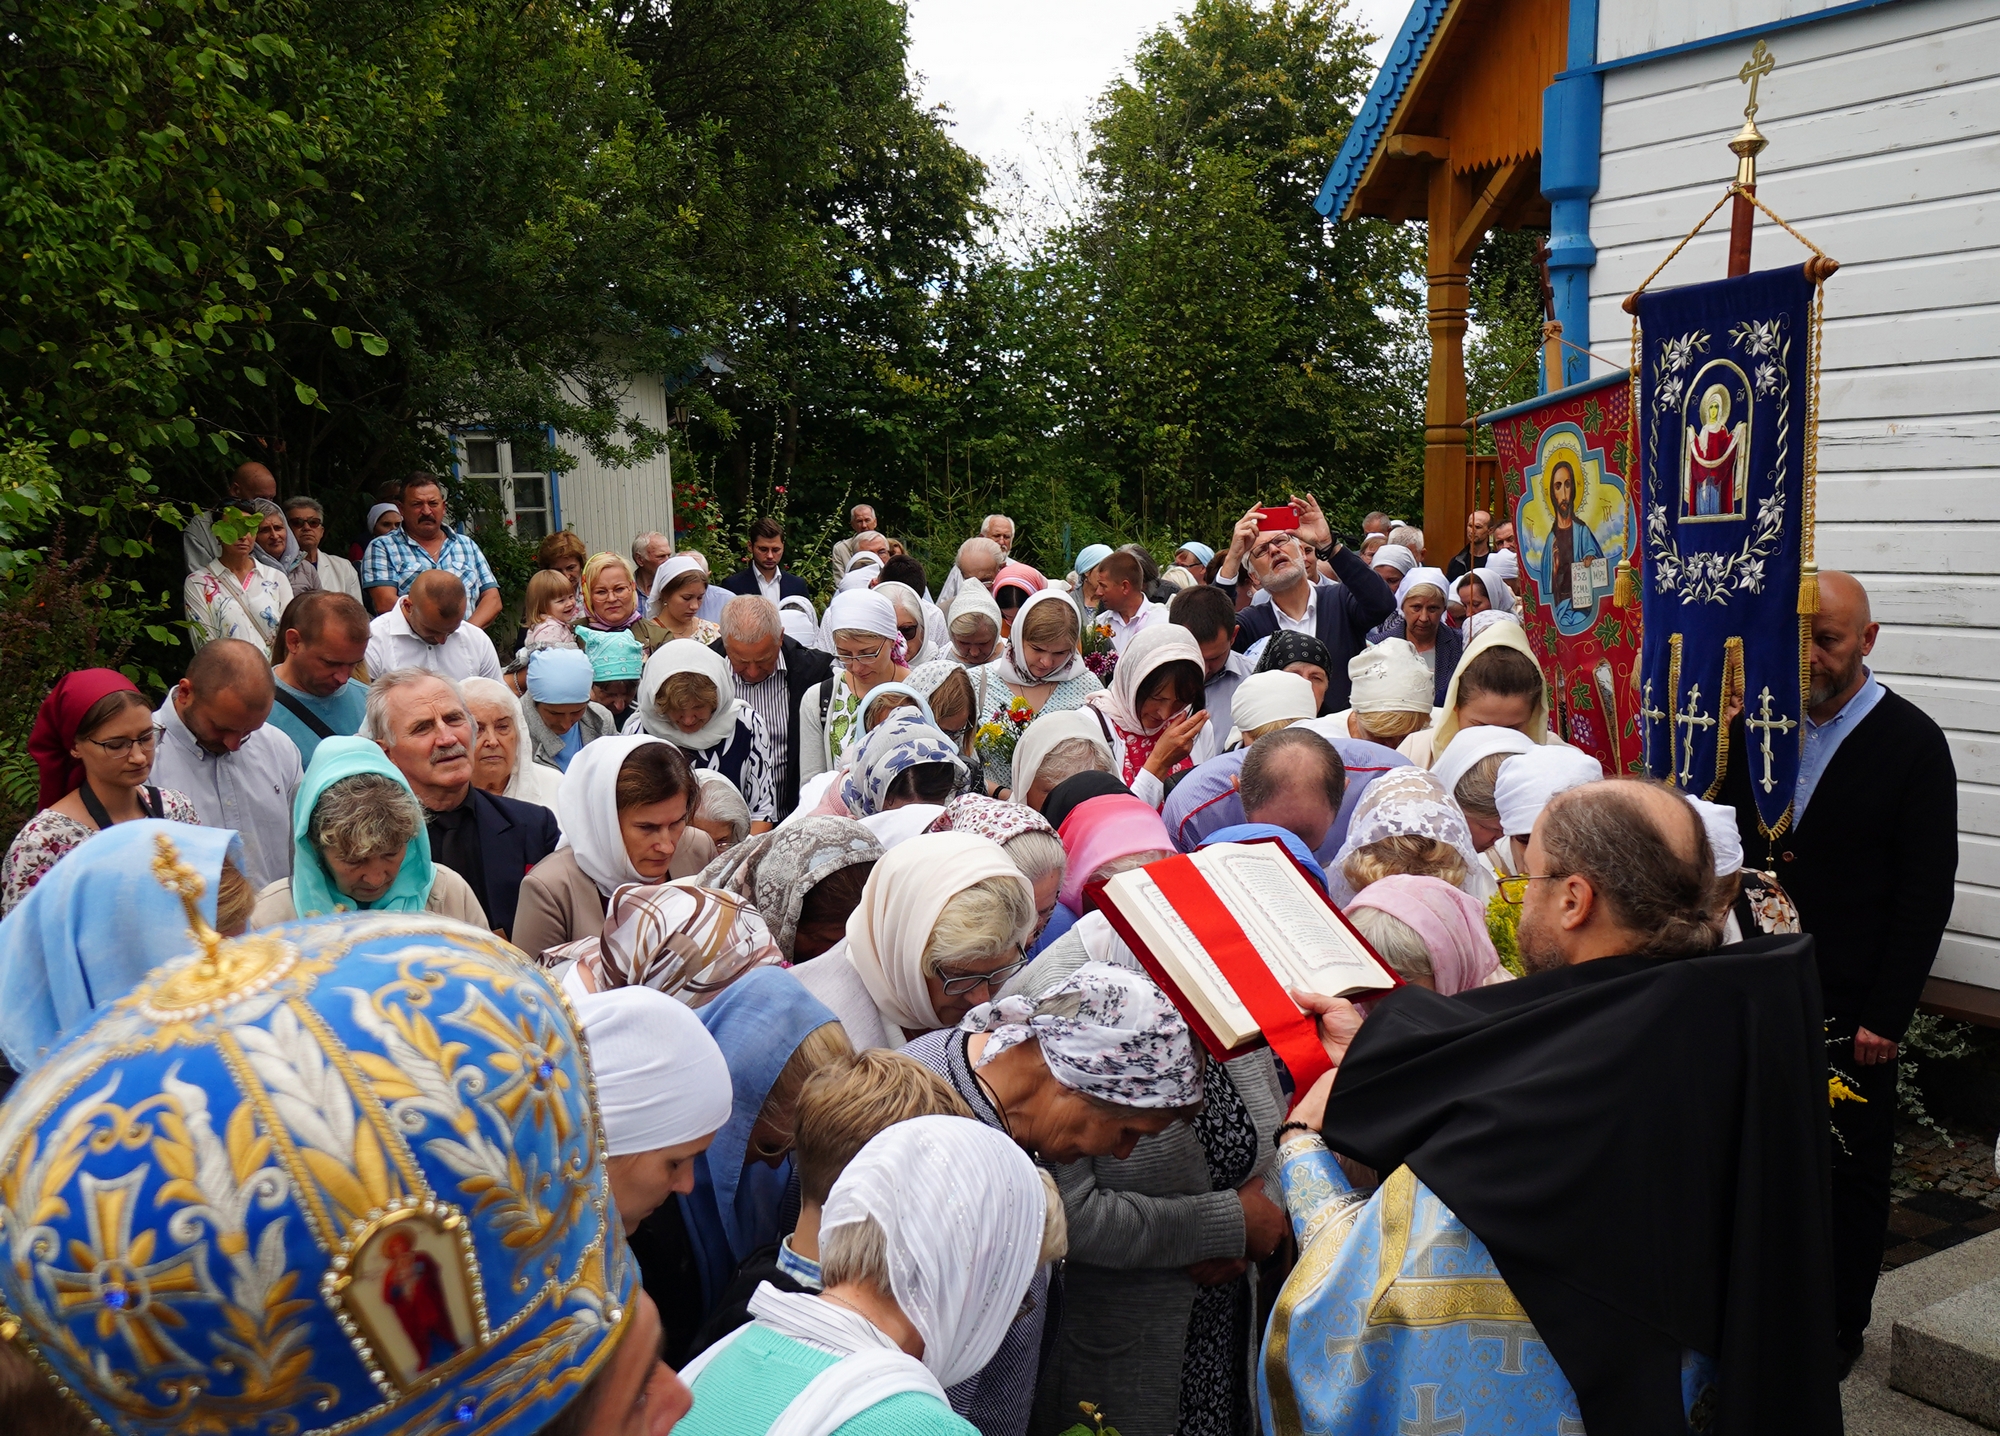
x=1625, y=591
x=1809, y=590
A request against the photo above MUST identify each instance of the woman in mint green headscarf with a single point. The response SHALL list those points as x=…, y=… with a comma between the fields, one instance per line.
x=359, y=845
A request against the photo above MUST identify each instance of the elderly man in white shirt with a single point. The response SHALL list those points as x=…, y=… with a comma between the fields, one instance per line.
x=426, y=628
x=218, y=748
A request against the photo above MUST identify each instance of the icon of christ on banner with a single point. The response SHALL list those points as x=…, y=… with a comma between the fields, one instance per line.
x=1575, y=573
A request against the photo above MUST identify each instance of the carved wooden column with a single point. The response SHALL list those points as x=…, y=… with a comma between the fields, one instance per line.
x=1444, y=399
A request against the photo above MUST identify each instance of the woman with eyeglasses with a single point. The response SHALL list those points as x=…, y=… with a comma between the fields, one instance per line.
x=1041, y=666
x=611, y=604
x=941, y=927
x=910, y=627
x=947, y=688
x=94, y=741
x=868, y=649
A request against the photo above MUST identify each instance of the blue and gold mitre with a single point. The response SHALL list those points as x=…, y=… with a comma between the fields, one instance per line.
x=341, y=1176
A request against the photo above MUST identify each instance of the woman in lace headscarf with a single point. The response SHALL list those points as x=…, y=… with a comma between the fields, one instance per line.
x=1407, y=823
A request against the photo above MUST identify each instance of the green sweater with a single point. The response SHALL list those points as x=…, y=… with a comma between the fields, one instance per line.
x=745, y=1389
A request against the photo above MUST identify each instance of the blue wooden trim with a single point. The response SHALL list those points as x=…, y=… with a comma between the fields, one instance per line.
x=555, y=485
x=1749, y=32
x=1574, y=391
x=1371, y=121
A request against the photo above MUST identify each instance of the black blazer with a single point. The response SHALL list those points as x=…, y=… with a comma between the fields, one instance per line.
x=744, y=582
x=1345, y=611
x=803, y=668
x=1871, y=867
x=513, y=837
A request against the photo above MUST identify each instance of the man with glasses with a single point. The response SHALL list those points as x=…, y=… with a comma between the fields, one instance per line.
x=1339, y=613
x=220, y=750
x=773, y=674
x=861, y=519
x=308, y=521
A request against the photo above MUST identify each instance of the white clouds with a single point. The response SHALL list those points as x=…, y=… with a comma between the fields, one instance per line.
x=1003, y=67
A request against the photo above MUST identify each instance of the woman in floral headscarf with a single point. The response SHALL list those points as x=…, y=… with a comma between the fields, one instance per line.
x=903, y=779
x=1407, y=823
x=805, y=878
x=686, y=941
x=1083, y=1072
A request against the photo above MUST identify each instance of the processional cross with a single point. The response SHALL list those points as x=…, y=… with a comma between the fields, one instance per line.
x=1691, y=718
x=1767, y=723
x=1650, y=715
x=1754, y=69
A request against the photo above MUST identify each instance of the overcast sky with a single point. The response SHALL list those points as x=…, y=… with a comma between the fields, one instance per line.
x=1014, y=71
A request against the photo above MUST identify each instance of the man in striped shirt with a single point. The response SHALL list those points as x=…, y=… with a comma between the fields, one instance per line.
x=772, y=674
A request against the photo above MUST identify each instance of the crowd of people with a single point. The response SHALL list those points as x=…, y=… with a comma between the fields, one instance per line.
x=855, y=1108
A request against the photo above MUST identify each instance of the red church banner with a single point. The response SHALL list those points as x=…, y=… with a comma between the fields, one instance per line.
x=1566, y=469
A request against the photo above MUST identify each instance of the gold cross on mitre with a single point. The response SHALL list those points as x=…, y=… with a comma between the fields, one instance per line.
x=225, y=968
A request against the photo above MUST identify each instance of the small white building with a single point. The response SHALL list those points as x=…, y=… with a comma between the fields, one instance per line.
x=606, y=507
x=1884, y=124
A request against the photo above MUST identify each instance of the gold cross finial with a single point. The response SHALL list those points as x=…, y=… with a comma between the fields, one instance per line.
x=1760, y=64
x=179, y=878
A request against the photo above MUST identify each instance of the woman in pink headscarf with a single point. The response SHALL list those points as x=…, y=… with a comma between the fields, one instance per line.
x=1013, y=586
x=1430, y=932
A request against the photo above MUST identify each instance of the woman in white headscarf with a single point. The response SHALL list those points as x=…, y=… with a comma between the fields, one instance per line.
x=1041, y=670
x=918, y=1293
x=942, y=924
x=687, y=695
x=679, y=587
x=662, y=1090
x=1481, y=591
x=502, y=757
x=1152, y=713
x=795, y=611
x=1390, y=694
x=1057, y=746
x=859, y=629
x=1267, y=702
x=974, y=624
x=911, y=622
x=624, y=807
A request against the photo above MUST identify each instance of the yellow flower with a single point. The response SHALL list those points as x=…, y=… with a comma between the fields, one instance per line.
x=1838, y=1091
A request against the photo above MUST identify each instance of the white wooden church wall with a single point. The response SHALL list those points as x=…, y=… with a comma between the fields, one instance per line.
x=1625, y=29
x=1885, y=147
x=607, y=507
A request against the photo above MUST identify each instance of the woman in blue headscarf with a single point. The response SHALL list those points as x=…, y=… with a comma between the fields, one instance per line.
x=774, y=1035
x=100, y=921
x=359, y=844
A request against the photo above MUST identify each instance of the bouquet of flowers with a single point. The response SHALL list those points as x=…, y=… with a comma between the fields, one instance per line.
x=1099, y=656
x=1002, y=730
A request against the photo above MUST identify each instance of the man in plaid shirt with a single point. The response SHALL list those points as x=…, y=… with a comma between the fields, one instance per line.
x=425, y=541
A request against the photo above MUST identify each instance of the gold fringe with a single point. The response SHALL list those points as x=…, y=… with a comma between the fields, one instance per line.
x=1673, y=708
x=1730, y=697
x=1808, y=590
x=1625, y=591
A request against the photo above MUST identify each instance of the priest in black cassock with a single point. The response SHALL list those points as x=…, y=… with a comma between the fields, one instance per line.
x=1633, y=1134
x=1869, y=861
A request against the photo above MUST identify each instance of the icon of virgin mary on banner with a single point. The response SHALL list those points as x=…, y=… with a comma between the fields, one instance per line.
x=1723, y=430
x=1564, y=461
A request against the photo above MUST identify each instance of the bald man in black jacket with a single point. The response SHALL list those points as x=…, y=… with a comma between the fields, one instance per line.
x=1869, y=859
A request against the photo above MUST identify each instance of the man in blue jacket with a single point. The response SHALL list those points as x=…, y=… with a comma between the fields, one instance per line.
x=1339, y=613
x=423, y=724
x=762, y=575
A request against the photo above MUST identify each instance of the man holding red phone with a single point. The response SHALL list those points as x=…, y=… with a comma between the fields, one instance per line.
x=1338, y=613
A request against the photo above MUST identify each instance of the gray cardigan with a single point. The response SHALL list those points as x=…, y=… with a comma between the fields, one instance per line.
x=1134, y=1228
x=595, y=721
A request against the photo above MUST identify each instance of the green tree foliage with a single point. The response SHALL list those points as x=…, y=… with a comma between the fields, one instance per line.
x=1237, y=344
x=1505, y=335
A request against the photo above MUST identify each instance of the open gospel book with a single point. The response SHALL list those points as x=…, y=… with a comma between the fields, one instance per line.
x=1218, y=927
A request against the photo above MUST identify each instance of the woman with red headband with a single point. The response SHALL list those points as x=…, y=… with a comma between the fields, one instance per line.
x=94, y=741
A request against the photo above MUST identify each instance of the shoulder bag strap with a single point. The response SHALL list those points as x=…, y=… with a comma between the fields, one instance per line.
x=299, y=711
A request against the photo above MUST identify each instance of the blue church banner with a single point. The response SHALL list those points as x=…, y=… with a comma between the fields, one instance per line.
x=1723, y=432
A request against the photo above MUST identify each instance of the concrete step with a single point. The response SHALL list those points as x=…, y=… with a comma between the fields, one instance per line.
x=1948, y=1354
